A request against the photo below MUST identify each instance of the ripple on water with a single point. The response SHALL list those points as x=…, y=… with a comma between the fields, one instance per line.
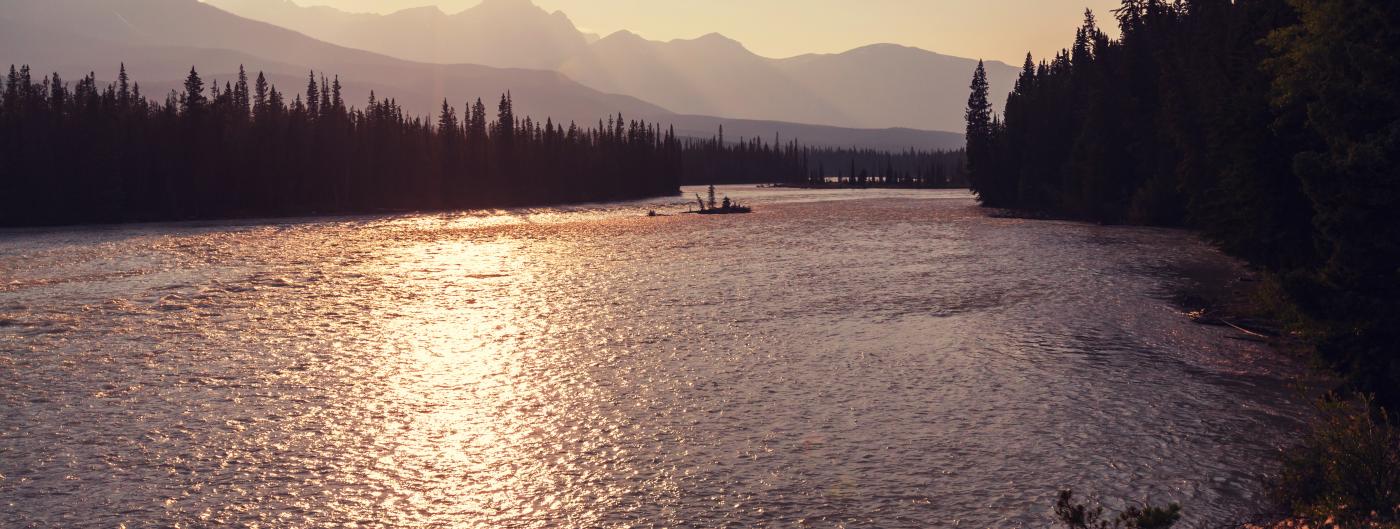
x=898, y=362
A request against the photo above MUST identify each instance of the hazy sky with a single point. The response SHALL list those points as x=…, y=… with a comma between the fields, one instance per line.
x=992, y=29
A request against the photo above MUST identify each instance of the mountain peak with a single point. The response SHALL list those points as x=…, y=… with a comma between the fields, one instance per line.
x=511, y=5
x=713, y=40
x=427, y=10
x=623, y=35
x=716, y=37
x=885, y=46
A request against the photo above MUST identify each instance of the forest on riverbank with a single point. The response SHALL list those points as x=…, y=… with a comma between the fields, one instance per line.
x=86, y=153
x=1271, y=126
x=755, y=161
x=91, y=154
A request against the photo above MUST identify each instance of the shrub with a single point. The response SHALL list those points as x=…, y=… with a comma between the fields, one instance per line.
x=1346, y=470
x=1080, y=516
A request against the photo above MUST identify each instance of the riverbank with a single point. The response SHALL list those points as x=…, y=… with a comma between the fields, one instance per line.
x=313, y=214
x=1343, y=470
x=855, y=186
x=1248, y=302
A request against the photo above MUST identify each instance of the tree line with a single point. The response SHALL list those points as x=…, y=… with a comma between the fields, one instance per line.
x=87, y=153
x=754, y=160
x=1272, y=126
x=877, y=168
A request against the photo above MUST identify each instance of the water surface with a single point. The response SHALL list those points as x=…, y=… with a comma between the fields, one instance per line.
x=839, y=358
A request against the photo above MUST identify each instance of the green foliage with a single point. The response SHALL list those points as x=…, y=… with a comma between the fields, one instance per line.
x=1082, y=516
x=1346, y=470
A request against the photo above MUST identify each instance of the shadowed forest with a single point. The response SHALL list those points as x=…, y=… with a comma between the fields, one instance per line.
x=1269, y=125
x=874, y=168
x=1272, y=127
x=93, y=154
x=753, y=161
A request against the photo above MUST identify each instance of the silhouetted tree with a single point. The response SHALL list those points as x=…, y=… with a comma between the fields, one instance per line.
x=193, y=96
x=1338, y=75
x=979, y=139
x=81, y=153
x=1269, y=125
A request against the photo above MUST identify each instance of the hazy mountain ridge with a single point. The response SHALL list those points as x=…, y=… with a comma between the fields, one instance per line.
x=533, y=38
x=877, y=86
x=160, y=39
x=711, y=75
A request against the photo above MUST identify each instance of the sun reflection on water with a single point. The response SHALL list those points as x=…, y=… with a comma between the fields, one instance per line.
x=883, y=363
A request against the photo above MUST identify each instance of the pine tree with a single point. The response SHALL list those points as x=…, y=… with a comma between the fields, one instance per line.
x=276, y=103
x=313, y=96
x=979, y=139
x=123, y=86
x=505, y=118
x=1082, y=52
x=478, y=119
x=193, y=96
x=260, y=95
x=447, y=118
x=241, y=99
x=337, y=102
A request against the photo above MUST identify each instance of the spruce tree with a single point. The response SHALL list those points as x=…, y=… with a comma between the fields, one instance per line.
x=260, y=96
x=447, y=119
x=275, y=103
x=313, y=96
x=337, y=102
x=478, y=128
x=979, y=138
x=241, y=99
x=326, y=105
x=123, y=86
x=193, y=96
x=505, y=118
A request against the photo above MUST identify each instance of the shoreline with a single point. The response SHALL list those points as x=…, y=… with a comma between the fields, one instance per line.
x=852, y=186
x=314, y=216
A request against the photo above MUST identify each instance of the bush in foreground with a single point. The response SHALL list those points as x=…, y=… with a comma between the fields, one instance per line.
x=1081, y=516
x=1346, y=470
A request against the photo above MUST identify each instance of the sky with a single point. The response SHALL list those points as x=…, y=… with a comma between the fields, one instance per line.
x=981, y=29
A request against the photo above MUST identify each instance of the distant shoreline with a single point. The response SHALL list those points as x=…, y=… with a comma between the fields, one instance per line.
x=852, y=186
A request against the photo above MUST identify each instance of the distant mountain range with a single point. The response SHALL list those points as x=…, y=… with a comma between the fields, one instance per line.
x=871, y=87
x=160, y=39
x=500, y=33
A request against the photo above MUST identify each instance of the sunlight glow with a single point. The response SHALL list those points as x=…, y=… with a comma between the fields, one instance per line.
x=1001, y=30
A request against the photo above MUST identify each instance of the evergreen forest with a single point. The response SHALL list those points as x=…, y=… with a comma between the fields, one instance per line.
x=94, y=154
x=1271, y=126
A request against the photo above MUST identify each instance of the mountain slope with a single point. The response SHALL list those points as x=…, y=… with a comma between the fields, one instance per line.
x=887, y=84
x=872, y=87
x=501, y=33
x=710, y=75
x=161, y=39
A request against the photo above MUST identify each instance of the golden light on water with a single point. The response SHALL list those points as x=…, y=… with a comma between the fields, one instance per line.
x=594, y=367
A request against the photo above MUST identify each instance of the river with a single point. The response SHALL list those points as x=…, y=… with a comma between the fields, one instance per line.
x=878, y=358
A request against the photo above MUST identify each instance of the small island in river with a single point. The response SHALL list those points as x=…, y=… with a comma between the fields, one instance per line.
x=724, y=207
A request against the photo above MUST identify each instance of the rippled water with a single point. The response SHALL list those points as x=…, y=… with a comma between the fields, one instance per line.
x=840, y=358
